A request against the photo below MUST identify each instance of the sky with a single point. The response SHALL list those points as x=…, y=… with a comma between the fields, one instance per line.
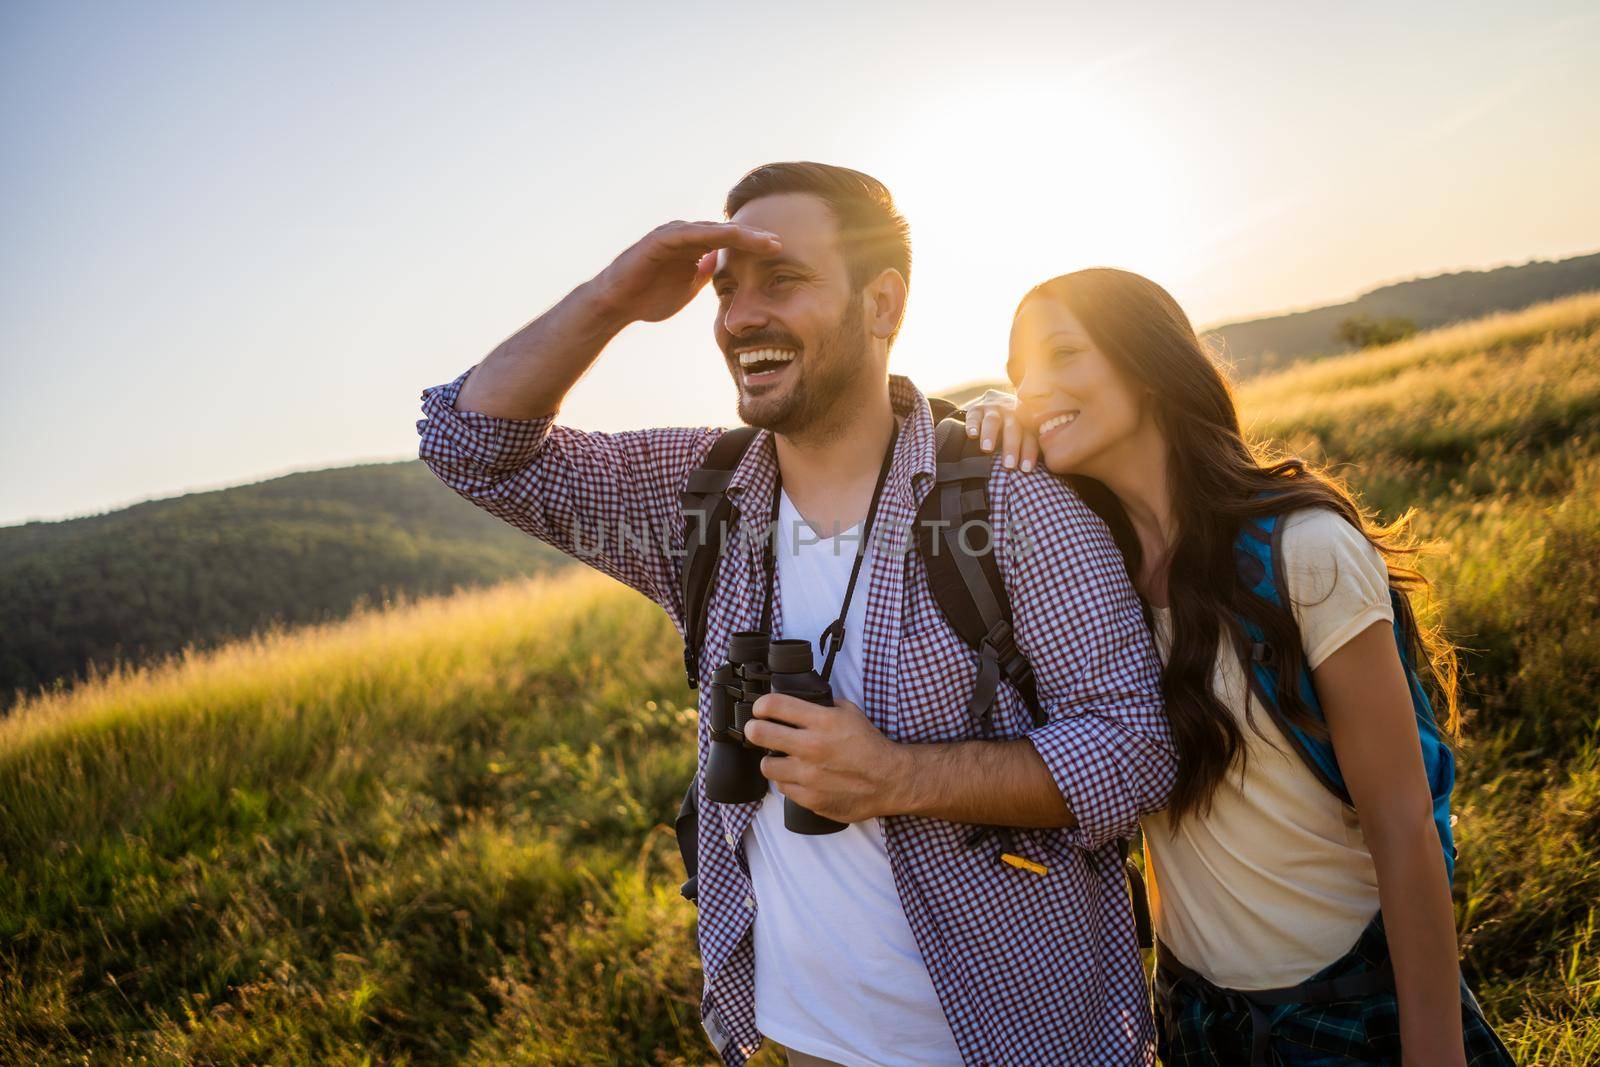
x=240, y=239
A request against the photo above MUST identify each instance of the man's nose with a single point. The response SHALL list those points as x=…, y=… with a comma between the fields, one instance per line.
x=744, y=313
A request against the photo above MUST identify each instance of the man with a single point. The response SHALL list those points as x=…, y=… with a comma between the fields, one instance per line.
x=903, y=939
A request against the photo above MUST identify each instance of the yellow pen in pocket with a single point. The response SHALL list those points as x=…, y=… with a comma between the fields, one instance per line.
x=1024, y=864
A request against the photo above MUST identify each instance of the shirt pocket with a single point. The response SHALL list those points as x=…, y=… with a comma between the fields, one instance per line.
x=937, y=672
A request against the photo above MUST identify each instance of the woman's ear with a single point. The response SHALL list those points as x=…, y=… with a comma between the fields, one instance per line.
x=886, y=303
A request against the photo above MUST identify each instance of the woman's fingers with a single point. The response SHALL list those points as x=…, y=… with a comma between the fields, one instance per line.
x=993, y=398
x=1011, y=445
x=1030, y=450
x=989, y=430
x=993, y=420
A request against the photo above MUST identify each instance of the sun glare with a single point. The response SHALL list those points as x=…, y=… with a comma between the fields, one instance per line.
x=1008, y=186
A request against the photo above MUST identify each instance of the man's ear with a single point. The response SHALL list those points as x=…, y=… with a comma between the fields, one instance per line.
x=885, y=303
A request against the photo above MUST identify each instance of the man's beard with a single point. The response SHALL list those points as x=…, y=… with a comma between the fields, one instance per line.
x=828, y=374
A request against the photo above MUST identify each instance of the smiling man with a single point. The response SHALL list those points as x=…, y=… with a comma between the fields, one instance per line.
x=904, y=938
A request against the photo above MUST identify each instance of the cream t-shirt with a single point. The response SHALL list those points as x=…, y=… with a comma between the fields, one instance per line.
x=1275, y=881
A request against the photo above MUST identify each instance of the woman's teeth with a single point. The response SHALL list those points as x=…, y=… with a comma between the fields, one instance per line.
x=1057, y=421
x=764, y=355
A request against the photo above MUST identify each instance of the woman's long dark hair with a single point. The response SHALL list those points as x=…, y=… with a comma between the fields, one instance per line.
x=1218, y=479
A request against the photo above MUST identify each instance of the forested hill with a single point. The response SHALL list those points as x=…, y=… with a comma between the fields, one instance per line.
x=1265, y=344
x=200, y=568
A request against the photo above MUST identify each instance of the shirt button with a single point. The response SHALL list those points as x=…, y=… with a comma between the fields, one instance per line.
x=728, y=838
x=750, y=902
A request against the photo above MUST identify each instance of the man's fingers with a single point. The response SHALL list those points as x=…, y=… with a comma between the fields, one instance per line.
x=791, y=777
x=777, y=737
x=793, y=711
x=704, y=269
x=781, y=769
x=974, y=416
x=710, y=236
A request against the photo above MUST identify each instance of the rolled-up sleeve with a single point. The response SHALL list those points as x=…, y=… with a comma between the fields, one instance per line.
x=467, y=447
x=609, y=500
x=1079, y=622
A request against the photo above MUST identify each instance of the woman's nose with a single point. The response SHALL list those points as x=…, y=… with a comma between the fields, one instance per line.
x=1033, y=387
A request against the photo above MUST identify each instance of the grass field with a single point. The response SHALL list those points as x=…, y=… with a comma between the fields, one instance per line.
x=437, y=833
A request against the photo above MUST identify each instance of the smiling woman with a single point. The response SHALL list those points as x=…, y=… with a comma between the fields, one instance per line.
x=1297, y=682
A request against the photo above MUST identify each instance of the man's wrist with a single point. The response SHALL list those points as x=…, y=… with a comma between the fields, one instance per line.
x=909, y=779
x=595, y=312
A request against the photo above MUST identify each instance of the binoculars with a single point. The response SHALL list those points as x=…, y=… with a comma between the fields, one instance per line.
x=757, y=665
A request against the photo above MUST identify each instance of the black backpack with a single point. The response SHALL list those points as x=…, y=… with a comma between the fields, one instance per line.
x=963, y=577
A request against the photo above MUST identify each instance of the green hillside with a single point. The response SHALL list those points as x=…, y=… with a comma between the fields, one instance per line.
x=197, y=569
x=438, y=832
x=1266, y=344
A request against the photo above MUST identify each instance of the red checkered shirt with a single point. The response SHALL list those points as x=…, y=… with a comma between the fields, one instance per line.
x=1029, y=968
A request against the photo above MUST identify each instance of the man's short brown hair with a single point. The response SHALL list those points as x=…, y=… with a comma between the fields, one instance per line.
x=872, y=232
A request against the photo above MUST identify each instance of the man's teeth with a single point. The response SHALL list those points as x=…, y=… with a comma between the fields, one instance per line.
x=764, y=355
x=1057, y=420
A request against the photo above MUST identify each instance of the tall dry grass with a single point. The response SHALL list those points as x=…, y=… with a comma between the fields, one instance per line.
x=436, y=833
x=427, y=834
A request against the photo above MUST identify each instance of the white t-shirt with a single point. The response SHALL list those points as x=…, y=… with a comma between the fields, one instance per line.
x=838, y=973
x=1276, y=881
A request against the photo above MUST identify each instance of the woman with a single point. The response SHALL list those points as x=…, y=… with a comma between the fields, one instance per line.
x=1261, y=876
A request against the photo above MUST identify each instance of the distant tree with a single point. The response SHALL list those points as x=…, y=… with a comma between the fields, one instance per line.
x=1363, y=331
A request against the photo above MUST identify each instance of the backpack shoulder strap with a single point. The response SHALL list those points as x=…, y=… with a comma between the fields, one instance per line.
x=1258, y=556
x=954, y=538
x=1258, y=552
x=708, y=515
x=943, y=409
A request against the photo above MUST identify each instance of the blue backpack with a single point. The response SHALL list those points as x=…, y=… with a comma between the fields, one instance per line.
x=1259, y=557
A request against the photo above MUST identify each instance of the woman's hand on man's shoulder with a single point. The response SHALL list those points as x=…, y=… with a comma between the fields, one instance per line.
x=996, y=419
